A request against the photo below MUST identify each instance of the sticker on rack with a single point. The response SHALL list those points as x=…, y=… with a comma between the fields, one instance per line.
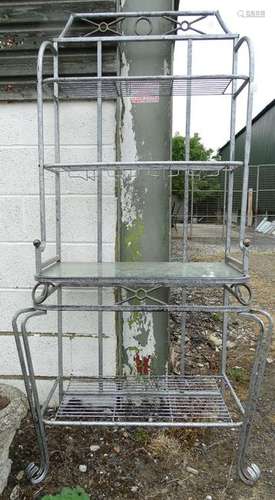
x=145, y=92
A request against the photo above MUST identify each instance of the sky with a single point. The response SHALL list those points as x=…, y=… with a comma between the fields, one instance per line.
x=211, y=115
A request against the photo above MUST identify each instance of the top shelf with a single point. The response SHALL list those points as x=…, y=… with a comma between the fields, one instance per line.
x=147, y=88
x=136, y=26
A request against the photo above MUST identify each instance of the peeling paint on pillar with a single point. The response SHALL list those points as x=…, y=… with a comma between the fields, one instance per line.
x=144, y=199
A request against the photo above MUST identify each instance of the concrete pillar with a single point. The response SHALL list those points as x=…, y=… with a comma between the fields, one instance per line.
x=145, y=134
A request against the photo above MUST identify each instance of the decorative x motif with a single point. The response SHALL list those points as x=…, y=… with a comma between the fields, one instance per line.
x=183, y=25
x=141, y=294
x=103, y=26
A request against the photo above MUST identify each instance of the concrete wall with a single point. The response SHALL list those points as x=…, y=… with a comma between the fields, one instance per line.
x=19, y=226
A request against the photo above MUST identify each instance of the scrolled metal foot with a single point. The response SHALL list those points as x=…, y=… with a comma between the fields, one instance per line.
x=249, y=474
x=36, y=474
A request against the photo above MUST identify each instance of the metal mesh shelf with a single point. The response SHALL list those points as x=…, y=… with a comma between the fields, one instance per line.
x=148, y=401
x=154, y=167
x=146, y=88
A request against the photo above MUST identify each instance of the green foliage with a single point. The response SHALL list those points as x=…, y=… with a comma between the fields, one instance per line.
x=237, y=374
x=141, y=436
x=69, y=494
x=203, y=184
x=197, y=149
x=217, y=317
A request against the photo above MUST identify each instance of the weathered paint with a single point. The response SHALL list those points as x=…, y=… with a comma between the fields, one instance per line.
x=140, y=340
x=19, y=43
x=144, y=199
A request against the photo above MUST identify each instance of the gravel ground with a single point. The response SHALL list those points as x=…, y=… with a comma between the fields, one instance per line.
x=174, y=464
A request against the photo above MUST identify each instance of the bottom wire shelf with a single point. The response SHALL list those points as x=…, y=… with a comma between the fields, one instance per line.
x=167, y=401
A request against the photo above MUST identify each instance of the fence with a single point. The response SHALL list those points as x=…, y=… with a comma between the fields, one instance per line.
x=207, y=197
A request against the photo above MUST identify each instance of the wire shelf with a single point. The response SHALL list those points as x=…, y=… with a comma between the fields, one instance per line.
x=149, y=401
x=146, y=89
x=152, y=167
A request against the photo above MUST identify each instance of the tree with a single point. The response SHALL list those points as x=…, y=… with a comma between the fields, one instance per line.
x=197, y=149
x=203, y=184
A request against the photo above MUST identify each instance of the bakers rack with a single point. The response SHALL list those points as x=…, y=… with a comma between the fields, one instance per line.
x=142, y=399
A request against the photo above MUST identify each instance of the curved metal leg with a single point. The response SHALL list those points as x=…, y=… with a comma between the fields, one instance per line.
x=35, y=474
x=249, y=474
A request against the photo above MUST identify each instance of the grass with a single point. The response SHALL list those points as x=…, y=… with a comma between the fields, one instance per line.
x=238, y=374
x=141, y=436
x=217, y=317
x=166, y=447
x=69, y=494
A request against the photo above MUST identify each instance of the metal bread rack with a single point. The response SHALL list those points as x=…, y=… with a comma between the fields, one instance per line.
x=167, y=400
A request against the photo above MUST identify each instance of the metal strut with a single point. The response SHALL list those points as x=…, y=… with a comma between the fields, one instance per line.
x=250, y=473
x=35, y=473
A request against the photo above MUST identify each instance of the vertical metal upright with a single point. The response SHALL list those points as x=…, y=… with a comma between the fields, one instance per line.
x=230, y=185
x=186, y=192
x=57, y=157
x=99, y=203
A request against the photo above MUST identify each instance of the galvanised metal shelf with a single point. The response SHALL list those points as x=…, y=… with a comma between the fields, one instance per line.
x=141, y=273
x=173, y=166
x=169, y=401
x=142, y=399
x=148, y=88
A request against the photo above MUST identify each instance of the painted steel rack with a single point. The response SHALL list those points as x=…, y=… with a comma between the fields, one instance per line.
x=169, y=400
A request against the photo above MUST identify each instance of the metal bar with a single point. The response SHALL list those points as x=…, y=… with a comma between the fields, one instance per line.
x=138, y=423
x=144, y=307
x=165, y=165
x=192, y=204
x=149, y=78
x=240, y=89
x=221, y=22
x=57, y=152
x=74, y=281
x=233, y=393
x=60, y=342
x=99, y=203
x=141, y=391
x=156, y=13
x=224, y=333
x=231, y=156
x=232, y=260
x=249, y=474
x=186, y=196
x=43, y=48
x=247, y=136
x=49, y=397
x=257, y=195
x=67, y=26
x=35, y=474
x=49, y=262
x=151, y=38
x=187, y=152
x=224, y=204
